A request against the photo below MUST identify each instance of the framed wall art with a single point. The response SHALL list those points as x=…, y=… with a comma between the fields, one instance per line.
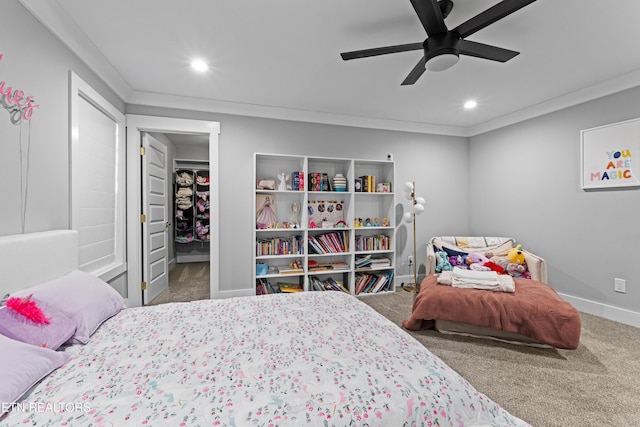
x=610, y=155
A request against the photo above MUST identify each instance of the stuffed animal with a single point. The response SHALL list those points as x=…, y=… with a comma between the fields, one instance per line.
x=457, y=261
x=518, y=270
x=442, y=263
x=501, y=261
x=476, y=261
x=516, y=255
x=494, y=267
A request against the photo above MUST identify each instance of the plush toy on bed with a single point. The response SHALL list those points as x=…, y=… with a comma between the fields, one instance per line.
x=442, y=262
x=518, y=270
x=457, y=261
x=511, y=268
x=476, y=261
x=516, y=255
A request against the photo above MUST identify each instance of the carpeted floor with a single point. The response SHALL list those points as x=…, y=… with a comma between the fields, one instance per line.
x=187, y=282
x=597, y=384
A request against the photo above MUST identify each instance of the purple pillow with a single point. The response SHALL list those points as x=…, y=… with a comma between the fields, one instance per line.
x=84, y=298
x=22, y=366
x=52, y=335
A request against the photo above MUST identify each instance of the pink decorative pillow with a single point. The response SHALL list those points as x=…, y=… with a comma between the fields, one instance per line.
x=84, y=298
x=52, y=335
x=22, y=366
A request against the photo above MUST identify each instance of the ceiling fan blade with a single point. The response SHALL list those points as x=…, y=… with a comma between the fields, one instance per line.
x=489, y=16
x=415, y=74
x=430, y=15
x=380, y=51
x=481, y=50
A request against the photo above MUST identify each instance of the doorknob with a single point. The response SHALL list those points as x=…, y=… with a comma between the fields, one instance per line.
x=167, y=224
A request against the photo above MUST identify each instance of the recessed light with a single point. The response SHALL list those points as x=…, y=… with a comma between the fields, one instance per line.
x=199, y=65
x=470, y=104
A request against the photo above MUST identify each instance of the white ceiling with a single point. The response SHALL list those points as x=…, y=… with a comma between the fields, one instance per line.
x=281, y=58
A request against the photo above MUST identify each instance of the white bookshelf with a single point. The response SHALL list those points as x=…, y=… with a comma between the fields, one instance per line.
x=373, y=238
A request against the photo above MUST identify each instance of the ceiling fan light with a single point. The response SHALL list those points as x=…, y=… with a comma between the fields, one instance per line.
x=442, y=62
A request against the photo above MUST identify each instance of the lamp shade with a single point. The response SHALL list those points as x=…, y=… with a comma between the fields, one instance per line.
x=421, y=200
x=408, y=217
x=418, y=208
x=408, y=186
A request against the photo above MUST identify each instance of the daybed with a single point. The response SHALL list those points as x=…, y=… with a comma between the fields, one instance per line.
x=534, y=314
x=309, y=358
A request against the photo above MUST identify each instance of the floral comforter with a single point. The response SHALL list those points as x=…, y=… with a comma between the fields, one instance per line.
x=302, y=359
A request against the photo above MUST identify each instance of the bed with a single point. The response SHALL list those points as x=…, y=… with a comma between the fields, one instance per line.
x=311, y=358
x=534, y=314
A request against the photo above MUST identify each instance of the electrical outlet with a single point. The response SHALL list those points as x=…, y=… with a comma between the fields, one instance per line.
x=620, y=285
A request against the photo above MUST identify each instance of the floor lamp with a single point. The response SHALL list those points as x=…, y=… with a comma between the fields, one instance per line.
x=417, y=207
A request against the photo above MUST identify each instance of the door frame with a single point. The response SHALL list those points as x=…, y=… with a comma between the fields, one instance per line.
x=136, y=124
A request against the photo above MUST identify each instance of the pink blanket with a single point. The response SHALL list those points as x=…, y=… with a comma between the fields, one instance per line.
x=535, y=310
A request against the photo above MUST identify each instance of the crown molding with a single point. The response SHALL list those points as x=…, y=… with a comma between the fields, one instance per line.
x=280, y=113
x=55, y=18
x=589, y=93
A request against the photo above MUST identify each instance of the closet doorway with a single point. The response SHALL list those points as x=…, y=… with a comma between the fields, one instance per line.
x=146, y=271
x=187, y=227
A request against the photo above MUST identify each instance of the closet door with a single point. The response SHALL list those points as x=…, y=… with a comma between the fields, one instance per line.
x=155, y=225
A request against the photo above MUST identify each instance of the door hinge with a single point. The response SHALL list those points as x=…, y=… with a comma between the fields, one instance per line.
x=143, y=218
x=142, y=151
x=143, y=286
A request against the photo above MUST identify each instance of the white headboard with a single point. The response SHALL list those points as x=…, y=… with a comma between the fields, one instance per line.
x=30, y=259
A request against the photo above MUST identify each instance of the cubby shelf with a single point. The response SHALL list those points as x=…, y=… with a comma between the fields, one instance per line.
x=295, y=199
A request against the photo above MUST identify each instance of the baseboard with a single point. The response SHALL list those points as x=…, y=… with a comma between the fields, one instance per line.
x=610, y=312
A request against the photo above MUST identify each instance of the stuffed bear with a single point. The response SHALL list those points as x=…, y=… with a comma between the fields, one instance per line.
x=442, y=262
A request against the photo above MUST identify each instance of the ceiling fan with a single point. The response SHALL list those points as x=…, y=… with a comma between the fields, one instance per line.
x=443, y=47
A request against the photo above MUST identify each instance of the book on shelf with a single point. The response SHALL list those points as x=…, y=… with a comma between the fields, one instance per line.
x=329, y=284
x=316, y=266
x=368, y=183
x=363, y=261
x=290, y=287
x=293, y=268
x=263, y=287
x=334, y=242
x=298, y=180
x=315, y=181
x=378, y=262
x=372, y=282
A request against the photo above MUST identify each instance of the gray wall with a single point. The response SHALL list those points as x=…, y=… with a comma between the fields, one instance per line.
x=438, y=164
x=525, y=183
x=39, y=64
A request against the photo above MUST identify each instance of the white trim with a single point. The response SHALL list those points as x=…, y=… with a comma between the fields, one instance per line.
x=598, y=90
x=80, y=89
x=135, y=125
x=610, y=312
x=281, y=113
